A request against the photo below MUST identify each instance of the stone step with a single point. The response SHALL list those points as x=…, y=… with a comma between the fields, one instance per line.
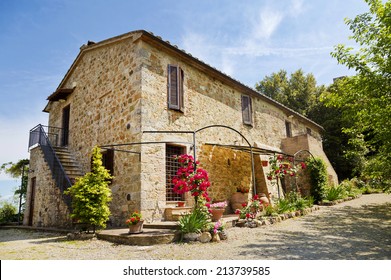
x=146, y=238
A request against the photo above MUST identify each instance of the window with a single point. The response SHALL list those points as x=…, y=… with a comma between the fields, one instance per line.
x=172, y=166
x=309, y=131
x=108, y=160
x=288, y=127
x=175, y=87
x=247, y=110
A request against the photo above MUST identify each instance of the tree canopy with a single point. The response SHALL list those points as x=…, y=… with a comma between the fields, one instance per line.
x=366, y=96
x=298, y=91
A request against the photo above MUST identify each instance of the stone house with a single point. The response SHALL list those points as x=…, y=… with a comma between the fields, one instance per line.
x=144, y=100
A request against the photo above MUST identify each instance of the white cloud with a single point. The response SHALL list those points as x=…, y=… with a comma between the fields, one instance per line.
x=296, y=8
x=266, y=23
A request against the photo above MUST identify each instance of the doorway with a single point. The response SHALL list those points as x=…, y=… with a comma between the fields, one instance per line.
x=65, y=125
x=32, y=201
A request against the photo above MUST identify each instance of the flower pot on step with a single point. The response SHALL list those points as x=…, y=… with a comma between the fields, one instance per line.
x=137, y=228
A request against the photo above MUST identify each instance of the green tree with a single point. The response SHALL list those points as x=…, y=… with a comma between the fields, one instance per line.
x=7, y=213
x=347, y=157
x=18, y=170
x=297, y=92
x=301, y=93
x=366, y=96
x=91, y=194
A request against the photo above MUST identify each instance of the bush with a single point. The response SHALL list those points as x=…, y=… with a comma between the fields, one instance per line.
x=318, y=176
x=292, y=202
x=91, y=194
x=334, y=192
x=195, y=222
x=8, y=213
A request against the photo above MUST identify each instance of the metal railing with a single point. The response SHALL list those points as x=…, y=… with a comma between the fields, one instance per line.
x=42, y=136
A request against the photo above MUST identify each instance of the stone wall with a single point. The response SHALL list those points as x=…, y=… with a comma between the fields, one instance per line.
x=120, y=91
x=307, y=142
x=207, y=101
x=105, y=108
x=49, y=208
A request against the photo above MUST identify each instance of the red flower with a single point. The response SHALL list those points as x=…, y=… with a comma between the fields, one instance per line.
x=244, y=204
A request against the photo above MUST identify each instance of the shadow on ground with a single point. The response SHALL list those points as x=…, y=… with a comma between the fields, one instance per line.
x=21, y=234
x=343, y=233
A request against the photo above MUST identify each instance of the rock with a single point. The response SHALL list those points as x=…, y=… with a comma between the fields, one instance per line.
x=266, y=222
x=216, y=238
x=205, y=237
x=223, y=235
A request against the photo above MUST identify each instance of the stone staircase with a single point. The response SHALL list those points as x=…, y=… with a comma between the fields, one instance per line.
x=71, y=167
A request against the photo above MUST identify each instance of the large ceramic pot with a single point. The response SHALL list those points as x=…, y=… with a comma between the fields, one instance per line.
x=217, y=213
x=237, y=199
x=137, y=228
x=264, y=199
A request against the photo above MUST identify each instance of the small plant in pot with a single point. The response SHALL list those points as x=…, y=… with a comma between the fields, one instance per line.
x=217, y=210
x=135, y=223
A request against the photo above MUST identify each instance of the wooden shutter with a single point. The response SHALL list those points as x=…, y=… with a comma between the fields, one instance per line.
x=288, y=128
x=246, y=110
x=175, y=87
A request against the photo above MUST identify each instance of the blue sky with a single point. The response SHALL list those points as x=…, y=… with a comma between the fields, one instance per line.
x=39, y=39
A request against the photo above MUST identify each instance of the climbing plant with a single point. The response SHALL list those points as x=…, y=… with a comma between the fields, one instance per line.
x=319, y=180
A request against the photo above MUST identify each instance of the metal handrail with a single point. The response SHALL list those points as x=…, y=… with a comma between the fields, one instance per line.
x=39, y=136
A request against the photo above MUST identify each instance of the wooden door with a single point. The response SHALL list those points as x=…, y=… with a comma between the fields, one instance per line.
x=32, y=200
x=65, y=125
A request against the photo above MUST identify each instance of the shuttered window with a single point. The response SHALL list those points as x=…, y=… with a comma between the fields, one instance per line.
x=175, y=87
x=288, y=128
x=247, y=110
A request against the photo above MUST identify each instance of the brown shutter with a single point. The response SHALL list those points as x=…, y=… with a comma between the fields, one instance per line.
x=175, y=87
x=246, y=109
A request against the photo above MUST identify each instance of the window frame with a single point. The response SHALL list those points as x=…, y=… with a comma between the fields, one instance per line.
x=288, y=129
x=247, y=111
x=175, y=90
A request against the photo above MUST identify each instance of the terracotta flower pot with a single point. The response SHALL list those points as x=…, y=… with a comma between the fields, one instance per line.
x=265, y=163
x=181, y=204
x=237, y=199
x=137, y=228
x=217, y=213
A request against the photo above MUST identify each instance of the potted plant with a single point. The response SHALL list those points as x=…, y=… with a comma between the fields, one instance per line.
x=217, y=210
x=135, y=223
x=240, y=197
x=249, y=211
x=218, y=229
x=191, y=225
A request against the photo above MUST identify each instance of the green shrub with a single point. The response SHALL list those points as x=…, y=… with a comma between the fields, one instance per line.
x=91, y=194
x=334, y=193
x=284, y=205
x=195, y=222
x=318, y=176
x=8, y=213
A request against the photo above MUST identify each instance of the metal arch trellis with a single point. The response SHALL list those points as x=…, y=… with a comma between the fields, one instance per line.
x=115, y=147
x=207, y=127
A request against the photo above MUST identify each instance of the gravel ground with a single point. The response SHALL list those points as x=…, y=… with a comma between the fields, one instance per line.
x=357, y=229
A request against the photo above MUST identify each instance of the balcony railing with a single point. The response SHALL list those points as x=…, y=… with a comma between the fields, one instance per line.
x=43, y=136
